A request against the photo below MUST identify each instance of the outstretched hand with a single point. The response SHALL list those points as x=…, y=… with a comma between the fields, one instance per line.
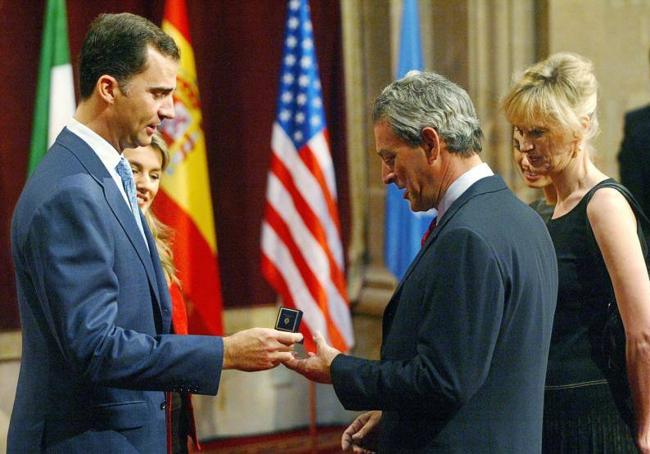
x=258, y=349
x=361, y=436
x=317, y=366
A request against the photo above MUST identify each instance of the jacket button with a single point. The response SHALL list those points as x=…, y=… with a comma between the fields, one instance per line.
x=163, y=405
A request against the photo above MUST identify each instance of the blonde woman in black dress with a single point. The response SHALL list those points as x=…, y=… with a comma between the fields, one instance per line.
x=552, y=108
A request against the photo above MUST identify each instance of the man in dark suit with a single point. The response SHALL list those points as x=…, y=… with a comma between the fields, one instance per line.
x=95, y=310
x=467, y=331
x=634, y=156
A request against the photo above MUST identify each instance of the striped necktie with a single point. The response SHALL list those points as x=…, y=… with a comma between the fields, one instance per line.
x=124, y=171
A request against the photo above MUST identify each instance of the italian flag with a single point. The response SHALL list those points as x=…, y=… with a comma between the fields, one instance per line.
x=55, y=103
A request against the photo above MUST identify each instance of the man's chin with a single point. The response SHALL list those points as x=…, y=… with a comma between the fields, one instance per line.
x=144, y=140
x=419, y=206
x=415, y=207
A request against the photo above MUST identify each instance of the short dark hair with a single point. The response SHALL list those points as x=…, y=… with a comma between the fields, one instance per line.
x=116, y=44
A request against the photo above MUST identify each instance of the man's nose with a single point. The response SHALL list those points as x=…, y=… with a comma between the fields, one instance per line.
x=166, y=110
x=387, y=174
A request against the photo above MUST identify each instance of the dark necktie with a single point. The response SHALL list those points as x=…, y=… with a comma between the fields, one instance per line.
x=124, y=171
x=432, y=226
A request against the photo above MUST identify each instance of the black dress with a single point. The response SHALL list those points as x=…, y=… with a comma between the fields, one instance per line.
x=542, y=208
x=580, y=410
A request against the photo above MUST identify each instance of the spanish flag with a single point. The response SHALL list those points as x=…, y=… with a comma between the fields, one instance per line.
x=184, y=202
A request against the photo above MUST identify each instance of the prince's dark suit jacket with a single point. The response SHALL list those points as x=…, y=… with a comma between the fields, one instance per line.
x=95, y=311
x=465, y=335
x=634, y=156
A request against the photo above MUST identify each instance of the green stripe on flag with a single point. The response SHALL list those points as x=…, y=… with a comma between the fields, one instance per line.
x=54, y=52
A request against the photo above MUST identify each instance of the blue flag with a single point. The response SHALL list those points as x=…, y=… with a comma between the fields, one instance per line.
x=404, y=228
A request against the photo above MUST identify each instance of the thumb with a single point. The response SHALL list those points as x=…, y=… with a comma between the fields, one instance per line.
x=319, y=340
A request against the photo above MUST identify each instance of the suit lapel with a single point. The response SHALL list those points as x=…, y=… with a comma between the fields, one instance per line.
x=116, y=202
x=162, y=290
x=125, y=218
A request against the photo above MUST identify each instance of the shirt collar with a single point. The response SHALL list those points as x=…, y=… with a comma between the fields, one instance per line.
x=106, y=153
x=104, y=150
x=462, y=184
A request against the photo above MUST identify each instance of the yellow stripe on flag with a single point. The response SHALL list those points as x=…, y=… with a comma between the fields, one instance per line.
x=186, y=179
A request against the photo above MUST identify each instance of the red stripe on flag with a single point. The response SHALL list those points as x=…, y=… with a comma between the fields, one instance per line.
x=176, y=14
x=282, y=230
x=274, y=277
x=197, y=268
x=310, y=219
x=308, y=157
x=313, y=285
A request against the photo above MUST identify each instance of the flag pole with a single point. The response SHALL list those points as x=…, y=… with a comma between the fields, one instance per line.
x=313, y=428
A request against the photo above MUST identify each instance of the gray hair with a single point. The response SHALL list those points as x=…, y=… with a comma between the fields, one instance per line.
x=426, y=99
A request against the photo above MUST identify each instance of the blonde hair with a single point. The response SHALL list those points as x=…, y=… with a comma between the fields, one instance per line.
x=557, y=92
x=162, y=233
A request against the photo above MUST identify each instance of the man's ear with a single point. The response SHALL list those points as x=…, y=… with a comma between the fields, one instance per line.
x=107, y=88
x=430, y=143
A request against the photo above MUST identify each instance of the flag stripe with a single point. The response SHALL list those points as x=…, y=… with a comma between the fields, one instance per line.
x=61, y=101
x=310, y=189
x=310, y=157
x=176, y=15
x=277, y=252
x=55, y=102
x=279, y=246
x=320, y=288
x=308, y=217
x=320, y=150
x=272, y=274
x=318, y=257
x=197, y=267
x=305, y=277
x=186, y=179
x=302, y=230
x=184, y=202
x=306, y=230
x=307, y=274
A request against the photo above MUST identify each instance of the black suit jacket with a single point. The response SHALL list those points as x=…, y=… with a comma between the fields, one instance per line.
x=466, y=334
x=634, y=156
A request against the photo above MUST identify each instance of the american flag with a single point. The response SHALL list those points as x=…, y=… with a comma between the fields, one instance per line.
x=302, y=256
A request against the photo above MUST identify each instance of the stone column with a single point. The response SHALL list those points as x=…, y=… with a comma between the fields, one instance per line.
x=368, y=68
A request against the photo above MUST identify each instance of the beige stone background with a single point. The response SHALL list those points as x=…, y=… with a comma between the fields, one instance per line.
x=477, y=43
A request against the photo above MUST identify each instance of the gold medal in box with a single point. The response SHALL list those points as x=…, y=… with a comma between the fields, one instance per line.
x=288, y=320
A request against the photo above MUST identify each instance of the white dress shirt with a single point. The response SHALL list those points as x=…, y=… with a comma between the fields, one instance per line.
x=462, y=184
